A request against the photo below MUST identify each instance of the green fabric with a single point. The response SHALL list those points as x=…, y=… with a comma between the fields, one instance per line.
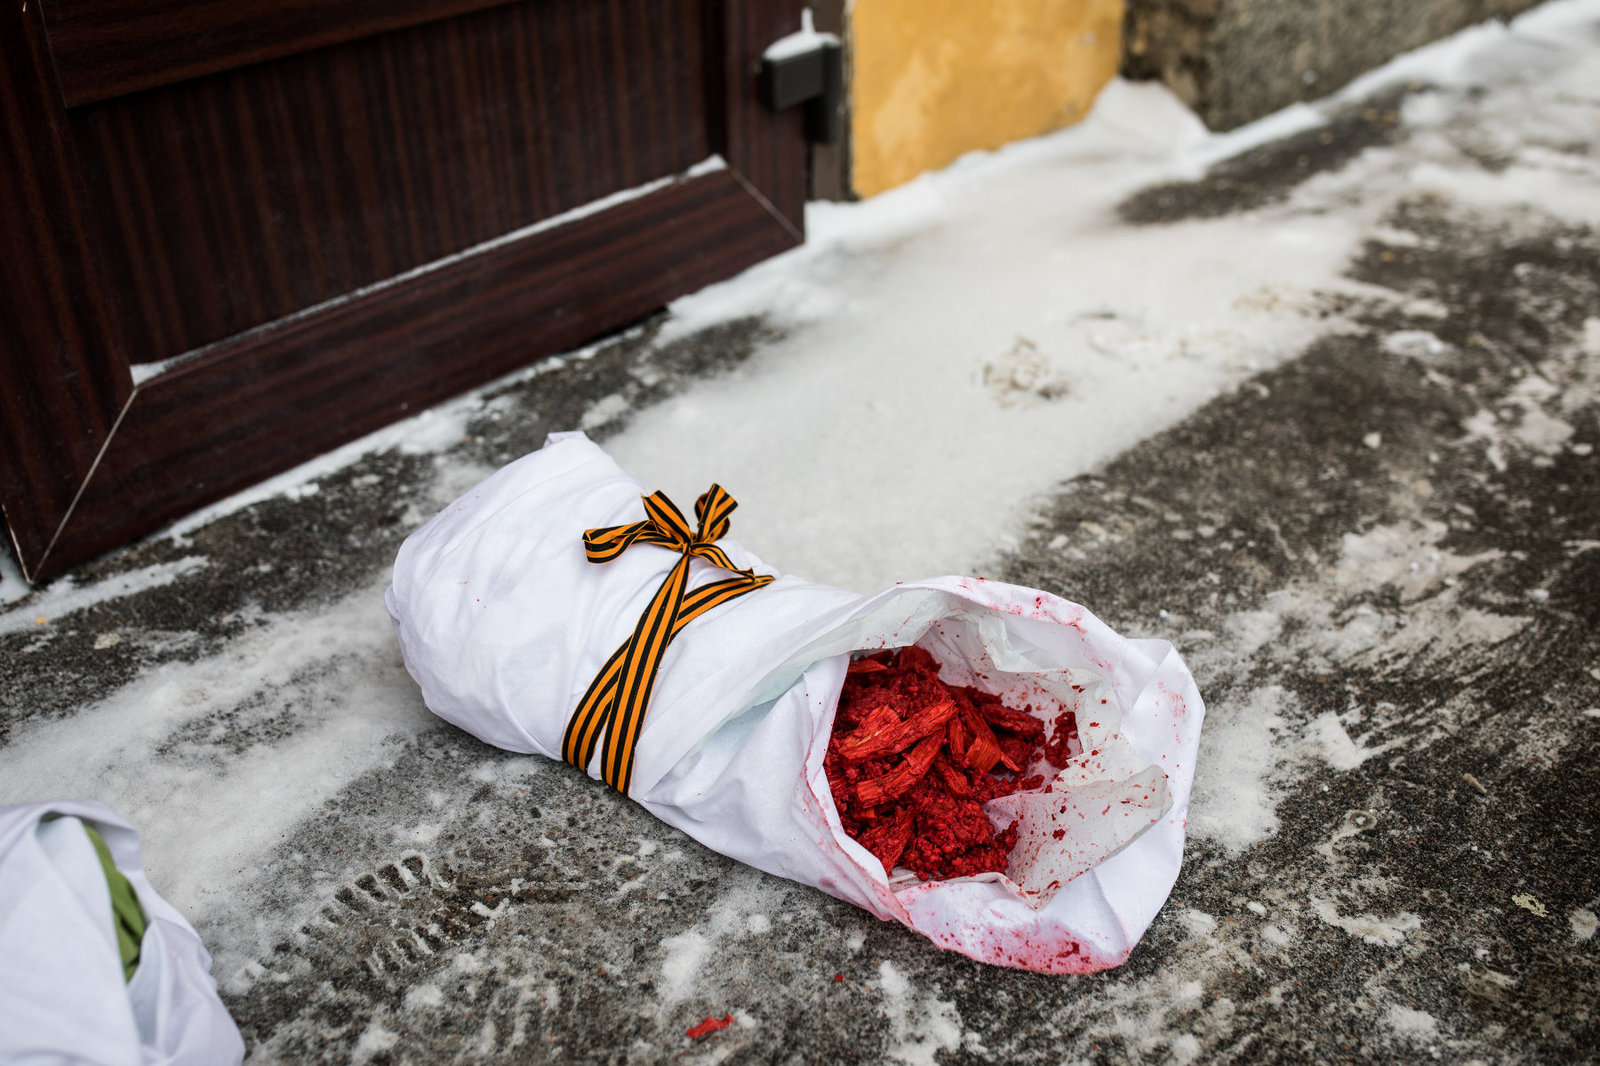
x=126, y=914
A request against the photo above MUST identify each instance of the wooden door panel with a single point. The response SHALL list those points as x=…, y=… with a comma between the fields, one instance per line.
x=57, y=402
x=214, y=425
x=767, y=151
x=230, y=201
x=109, y=48
x=302, y=250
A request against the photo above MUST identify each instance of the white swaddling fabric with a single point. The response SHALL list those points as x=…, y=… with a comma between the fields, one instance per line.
x=63, y=994
x=503, y=622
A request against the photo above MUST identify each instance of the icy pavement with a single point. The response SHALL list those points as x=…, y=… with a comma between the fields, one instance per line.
x=1316, y=401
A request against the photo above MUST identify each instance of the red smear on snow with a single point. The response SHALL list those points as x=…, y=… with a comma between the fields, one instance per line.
x=912, y=760
x=709, y=1026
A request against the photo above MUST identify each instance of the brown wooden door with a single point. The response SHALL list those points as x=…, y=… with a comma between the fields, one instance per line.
x=237, y=233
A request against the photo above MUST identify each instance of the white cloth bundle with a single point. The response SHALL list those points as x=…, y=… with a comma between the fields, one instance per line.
x=63, y=995
x=504, y=623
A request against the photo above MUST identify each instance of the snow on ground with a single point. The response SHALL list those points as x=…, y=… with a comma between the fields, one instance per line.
x=970, y=340
x=953, y=350
x=64, y=597
x=967, y=341
x=988, y=331
x=179, y=750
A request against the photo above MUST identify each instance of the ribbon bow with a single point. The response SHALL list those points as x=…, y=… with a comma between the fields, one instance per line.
x=616, y=701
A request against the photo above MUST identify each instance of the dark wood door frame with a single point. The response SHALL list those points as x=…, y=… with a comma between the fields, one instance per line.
x=90, y=459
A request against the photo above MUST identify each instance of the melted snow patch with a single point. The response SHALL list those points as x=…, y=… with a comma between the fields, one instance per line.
x=1403, y=554
x=1235, y=788
x=686, y=954
x=1277, y=936
x=1254, y=742
x=603, y=410
x=1415, y=1025
x=742, y=910
x=1382, y=932
x=1416, y=343
x=1584, y=923
x=1591, y=336
x=1198, y=922
x=1335, y=744
x=1542, y=432
x=919, y=1026
x=1249, y=631
x=1522, y=422
x=63, y=597
x=375, y=1039
x=1570, y=193
x=13, y=586
x=215, y=760
x=422, y=996
x=1185, y=1049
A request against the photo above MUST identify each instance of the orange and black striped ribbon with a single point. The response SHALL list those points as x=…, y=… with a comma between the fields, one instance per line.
x=618, y=697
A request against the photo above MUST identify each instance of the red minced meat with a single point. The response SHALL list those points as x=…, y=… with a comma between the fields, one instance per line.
x=912, y=760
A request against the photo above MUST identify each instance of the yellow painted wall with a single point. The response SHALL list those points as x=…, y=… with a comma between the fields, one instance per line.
x=933, y=79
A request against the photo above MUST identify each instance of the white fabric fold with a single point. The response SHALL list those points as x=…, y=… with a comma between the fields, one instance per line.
x=63, y=997
x=503, y=622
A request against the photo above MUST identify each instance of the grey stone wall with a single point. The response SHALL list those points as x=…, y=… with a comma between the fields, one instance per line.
x=1235, y=60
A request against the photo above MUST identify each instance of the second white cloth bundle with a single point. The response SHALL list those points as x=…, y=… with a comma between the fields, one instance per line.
x=95, y=967
x=519, y=635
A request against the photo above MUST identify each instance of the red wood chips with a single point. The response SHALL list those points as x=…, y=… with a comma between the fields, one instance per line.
x=709, y=1026
x=912, y=760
